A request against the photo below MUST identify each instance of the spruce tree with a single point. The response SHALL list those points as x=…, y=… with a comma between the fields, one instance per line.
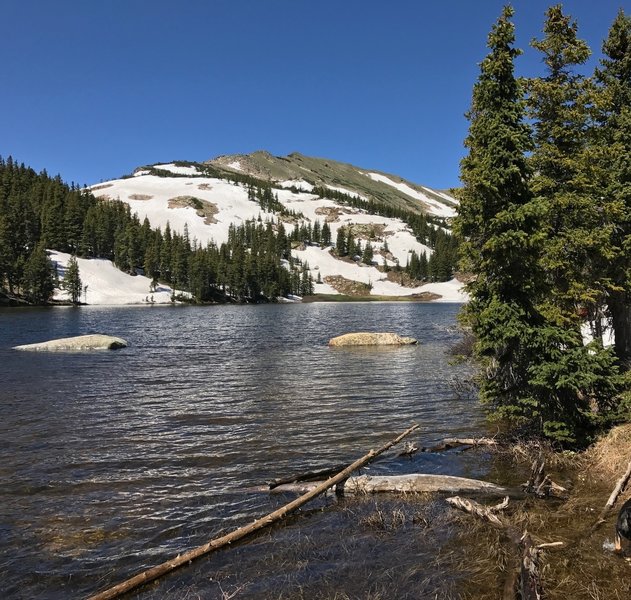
x=612, y=140
x=72, y=281
x=535, y=372
x=577, y=247
x=326, y=234
x=39, y=279
x=340, y=244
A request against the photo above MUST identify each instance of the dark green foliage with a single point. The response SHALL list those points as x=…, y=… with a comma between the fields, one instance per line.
x=39, y=280
x=367, y=254
x=537, y=371
x=72, y=280
x=611, y=141
x=341, y=247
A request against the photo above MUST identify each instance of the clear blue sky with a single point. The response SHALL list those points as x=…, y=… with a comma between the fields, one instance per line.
x=92, y=89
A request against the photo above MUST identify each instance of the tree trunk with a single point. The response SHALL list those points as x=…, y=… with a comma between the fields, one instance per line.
x=620, y=309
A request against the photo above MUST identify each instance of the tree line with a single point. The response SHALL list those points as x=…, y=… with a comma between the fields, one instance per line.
x=39, y=212
x=428, y=230
x=545, y=225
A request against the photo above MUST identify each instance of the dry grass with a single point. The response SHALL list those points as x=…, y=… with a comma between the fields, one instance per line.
x=608, y=458
x=584, y=567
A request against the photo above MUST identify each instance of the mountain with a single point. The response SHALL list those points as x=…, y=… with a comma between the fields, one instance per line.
x=296, y=169
x=399, y=220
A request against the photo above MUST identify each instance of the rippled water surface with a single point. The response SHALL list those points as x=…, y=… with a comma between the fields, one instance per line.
x=111, y=462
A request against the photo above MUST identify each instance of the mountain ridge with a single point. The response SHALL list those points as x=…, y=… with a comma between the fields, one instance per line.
x=316, y=171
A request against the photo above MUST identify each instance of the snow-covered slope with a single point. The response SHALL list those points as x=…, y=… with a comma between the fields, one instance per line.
x=103, y=283
x=155, y=197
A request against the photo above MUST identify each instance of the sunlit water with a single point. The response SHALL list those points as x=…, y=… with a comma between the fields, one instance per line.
x=113, y=461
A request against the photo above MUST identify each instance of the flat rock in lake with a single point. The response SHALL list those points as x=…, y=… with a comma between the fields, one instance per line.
x=371, y=339
x=80, y=343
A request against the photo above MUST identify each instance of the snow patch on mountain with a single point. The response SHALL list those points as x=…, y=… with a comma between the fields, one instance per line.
x=231, y=200
x=103, y=283
x=298, y=183
x=434, y=207
x=346, y=191
x=178, y=169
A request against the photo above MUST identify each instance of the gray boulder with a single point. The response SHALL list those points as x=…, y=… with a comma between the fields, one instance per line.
x=80, y=343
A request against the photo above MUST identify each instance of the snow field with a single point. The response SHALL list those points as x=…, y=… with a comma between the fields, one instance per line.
x=434, y=207
x=107, y=285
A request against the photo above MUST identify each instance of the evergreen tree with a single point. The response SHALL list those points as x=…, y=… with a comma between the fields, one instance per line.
x=340, y=244
x=39, y=279
x=612, y=141
x=368, y=254
x=72, y=281
x=326, y=234
x=536, y=373
x=576, y=248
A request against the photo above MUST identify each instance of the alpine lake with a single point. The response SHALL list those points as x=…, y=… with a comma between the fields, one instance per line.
x=115, y=461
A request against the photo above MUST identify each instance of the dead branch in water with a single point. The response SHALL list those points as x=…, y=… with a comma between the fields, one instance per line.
x=617, y=490
x=449, y=443
x=181, y=559
x=524, y=572
x=540, y=484
x=409, y=448
x=487, y=513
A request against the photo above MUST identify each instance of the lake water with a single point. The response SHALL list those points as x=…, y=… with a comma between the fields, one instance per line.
x=111, y=462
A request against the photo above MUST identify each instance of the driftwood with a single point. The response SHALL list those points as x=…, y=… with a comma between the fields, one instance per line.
x=412, y=483
x=540, y=483
x=181, y=559
x=617, y=490
x=524, y=572
x=530, y=581
x=409, y=448
x=449, y=443
x=486, y=513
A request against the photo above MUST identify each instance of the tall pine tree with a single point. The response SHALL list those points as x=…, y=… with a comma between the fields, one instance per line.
x=536, y=373
x=612, y=138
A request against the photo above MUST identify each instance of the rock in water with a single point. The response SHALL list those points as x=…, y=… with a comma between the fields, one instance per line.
x=371, y=339
x=80, y=342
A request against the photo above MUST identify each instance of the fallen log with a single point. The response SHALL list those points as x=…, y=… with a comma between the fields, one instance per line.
x=449, y=443
x=411, y=483
x=181, y=559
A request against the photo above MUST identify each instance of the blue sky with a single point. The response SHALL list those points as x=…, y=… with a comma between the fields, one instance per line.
x=92, y=89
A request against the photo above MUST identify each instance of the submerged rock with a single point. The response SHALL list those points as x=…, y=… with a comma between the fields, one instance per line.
x=80, y=342
x=371, y=339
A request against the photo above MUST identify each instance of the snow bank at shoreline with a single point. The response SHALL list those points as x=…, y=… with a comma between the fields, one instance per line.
x=104, y=284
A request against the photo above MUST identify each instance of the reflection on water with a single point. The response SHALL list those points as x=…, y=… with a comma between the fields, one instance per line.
x=113, y=461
